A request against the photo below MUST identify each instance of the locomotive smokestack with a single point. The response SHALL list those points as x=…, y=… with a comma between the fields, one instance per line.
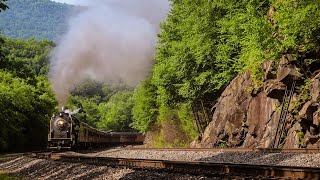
x=111, y=40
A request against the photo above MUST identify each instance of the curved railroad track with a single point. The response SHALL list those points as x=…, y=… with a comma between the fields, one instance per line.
x=209, y=169
x=266, y=150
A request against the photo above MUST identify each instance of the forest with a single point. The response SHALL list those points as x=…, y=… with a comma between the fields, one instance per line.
x=41, y=19
x=203, y=45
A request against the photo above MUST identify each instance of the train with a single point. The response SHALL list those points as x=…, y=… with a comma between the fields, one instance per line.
x=66, y=131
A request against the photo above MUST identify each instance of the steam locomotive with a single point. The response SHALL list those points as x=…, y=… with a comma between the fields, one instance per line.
x=66, y=131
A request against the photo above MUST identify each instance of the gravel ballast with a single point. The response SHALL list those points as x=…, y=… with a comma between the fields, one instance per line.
x=31, y=168
x=284, y=159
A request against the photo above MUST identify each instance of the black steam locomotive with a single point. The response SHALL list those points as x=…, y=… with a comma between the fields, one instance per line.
x=66, y=131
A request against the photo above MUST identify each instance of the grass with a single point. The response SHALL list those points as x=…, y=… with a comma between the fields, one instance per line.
x=4, y=176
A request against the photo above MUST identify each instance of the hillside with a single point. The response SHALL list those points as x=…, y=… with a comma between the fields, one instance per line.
x=205, y=45
x=232, y=74
x=42, y=19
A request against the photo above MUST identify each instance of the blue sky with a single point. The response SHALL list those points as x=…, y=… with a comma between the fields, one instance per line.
x=80, y=2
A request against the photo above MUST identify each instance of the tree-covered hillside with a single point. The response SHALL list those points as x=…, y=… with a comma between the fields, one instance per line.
x=42, y=19
x=205, y=44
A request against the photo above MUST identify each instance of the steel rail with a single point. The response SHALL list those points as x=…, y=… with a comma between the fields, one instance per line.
x=25, y=153
x=267, y=150
x=200, y=167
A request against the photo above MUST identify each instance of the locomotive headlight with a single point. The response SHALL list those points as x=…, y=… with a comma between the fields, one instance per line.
x=60, y=122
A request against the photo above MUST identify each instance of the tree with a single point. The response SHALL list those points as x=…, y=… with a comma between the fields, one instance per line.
x=204, y=44
x=116, y=114
x=3, y=6
x=144, y=110
x=88, y=88
x=26, y=99
x=42, y=19
x=25, y=111
x=90, y=113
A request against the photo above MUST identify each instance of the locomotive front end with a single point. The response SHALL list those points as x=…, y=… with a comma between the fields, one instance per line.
x=60, y=132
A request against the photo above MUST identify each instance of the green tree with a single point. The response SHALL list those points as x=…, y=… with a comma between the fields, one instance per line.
x=24, y=112
x=297, y=25
x=204, y=44
x=26, y=99
x=144, y=109
x=90, y=113
x=41, y=19
x=3, y=6
x=116, y=114
x=88, y=88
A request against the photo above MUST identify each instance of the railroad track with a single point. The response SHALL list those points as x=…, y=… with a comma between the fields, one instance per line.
x=266, y=150
x=209, y=169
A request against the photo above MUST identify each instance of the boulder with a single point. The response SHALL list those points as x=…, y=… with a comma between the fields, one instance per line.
x=243, y=118
x=294, y=101
x=312, y=141
x=287, y=70
x=315, y=88
x=240, y=119
x=297, y=127
x=267, y=67
x=307, y=110
x=261, y=115
x=250, y=141
x=230, y=113
x=316, y=118
x=314, y=130
x=275, y=89
x=292, y=140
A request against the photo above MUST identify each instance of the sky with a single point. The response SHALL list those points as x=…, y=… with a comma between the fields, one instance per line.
x=78, y=2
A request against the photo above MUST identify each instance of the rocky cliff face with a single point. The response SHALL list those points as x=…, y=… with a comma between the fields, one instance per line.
x=244, y=117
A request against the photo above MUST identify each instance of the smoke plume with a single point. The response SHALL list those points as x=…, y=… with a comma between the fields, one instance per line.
x=110, y=40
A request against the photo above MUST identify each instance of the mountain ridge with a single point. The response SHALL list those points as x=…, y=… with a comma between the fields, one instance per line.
x=39, y=19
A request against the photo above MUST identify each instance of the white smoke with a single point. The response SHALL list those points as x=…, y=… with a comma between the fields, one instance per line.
x=110, y=40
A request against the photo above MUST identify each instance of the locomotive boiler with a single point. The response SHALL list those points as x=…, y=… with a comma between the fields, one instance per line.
x=66, y=131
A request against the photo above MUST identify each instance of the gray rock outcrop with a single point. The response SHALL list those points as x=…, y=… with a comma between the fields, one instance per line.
x=244, y=119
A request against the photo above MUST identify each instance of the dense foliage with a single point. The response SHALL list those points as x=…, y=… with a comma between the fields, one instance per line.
x=107, y=107
x=204, y=44
x=42, y=19
x=116, y=113
x=145, y=107
x=26, y=99
x=3, y=6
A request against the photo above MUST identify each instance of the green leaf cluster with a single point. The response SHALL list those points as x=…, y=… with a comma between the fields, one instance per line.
x=145, y=109
x=116, y=114
x=105, y=106
x=26, y=99
x=297, y=25
x=204, y=44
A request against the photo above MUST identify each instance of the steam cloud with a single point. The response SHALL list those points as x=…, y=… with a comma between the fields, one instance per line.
x=111, y=40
